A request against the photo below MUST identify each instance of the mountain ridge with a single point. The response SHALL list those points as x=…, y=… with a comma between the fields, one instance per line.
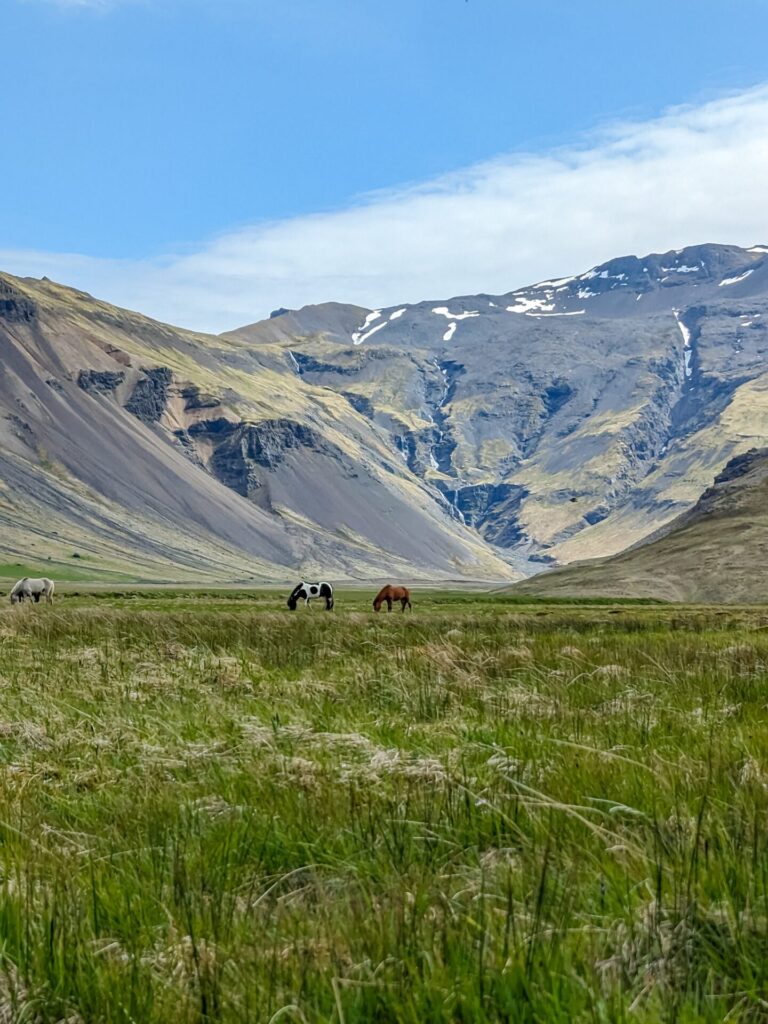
x=570, y=417
x=480, y=435
x=112, y=426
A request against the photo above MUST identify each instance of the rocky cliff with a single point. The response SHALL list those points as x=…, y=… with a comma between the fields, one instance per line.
x=567, y=419
x=476, y=436
x=148, y=451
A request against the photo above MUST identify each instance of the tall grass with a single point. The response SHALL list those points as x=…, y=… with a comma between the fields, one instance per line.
x=214, y=810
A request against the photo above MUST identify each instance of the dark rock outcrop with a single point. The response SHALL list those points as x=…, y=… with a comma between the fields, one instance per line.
x=253, y=449
x=150, y=394
x=195, y=398
x=100, y=382
x=15, y=307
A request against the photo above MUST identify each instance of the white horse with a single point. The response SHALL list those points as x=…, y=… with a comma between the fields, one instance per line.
x=32, y=590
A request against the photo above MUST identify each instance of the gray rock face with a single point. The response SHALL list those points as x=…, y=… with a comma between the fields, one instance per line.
x=548, y=415
x=150, y=394
x=565, y=420
x=250, y=451
x=311, y=486
x=100, y=382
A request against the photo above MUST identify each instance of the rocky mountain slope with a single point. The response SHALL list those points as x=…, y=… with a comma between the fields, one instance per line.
x=565, y=420
x=477, y=436
x=717, y=551
x=144, y=449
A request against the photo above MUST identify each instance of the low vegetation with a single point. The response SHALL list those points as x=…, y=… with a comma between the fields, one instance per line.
x=214, y=810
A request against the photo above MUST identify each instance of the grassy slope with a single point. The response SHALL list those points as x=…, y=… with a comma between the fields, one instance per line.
x=716, y=552
x=214, y=810
x=14, y=570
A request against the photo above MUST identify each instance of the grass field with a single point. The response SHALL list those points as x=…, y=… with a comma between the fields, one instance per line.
x=214, y=810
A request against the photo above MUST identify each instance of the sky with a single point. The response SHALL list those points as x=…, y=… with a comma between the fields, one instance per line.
x=206, y=161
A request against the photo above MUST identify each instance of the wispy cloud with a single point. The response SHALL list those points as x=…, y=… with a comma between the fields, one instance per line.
x=693, y=174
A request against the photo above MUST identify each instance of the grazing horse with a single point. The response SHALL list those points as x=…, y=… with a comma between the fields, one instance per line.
x=32, y=590
x=390, y=594
x=308, y=590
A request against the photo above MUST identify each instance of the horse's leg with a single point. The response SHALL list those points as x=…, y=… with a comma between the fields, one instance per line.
x=37, y=598
x=403, y=602
x=389, y=604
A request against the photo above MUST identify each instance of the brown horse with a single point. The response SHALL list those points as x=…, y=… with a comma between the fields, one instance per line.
x=390, y=594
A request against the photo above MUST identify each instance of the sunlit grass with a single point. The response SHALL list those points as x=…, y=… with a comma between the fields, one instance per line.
x=212, y=809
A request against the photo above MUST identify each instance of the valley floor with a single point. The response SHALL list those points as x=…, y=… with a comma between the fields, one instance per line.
x=489, y=810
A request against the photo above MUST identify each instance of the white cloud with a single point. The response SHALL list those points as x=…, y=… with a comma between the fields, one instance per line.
x=693, y=174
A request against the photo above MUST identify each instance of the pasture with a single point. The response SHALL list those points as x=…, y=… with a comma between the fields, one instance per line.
x=212, y=809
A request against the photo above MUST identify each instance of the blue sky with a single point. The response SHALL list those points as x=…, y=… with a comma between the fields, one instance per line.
x=139, y=135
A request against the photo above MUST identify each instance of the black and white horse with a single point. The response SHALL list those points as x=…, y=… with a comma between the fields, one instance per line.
x=310, y=590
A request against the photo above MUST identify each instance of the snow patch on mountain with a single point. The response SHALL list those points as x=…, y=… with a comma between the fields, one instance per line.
x=444, y=311
x=687, y=350
x=546, y=316
x=559, y=282
x=735, y=280
x=358, y=339
x=359, y=336
x=525, y=305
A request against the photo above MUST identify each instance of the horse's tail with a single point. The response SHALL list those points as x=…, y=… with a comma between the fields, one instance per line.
x=50, y=586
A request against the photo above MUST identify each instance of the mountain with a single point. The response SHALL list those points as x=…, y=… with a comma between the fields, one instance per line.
x=717, y=551
x=564, y=420
x=480, y=436
x=139, y=448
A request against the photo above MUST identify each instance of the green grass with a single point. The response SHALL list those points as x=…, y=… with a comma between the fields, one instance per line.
x=12, y=571
x=214, y=810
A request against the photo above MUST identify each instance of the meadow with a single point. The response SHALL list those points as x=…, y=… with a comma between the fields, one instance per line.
x=489, y=810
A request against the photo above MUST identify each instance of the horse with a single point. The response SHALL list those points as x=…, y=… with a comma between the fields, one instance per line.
x=32, y=590
x=390, y=594
x=308, y=590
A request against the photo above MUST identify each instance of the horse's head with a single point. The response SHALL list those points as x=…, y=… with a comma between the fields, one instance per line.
x=292, y=603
